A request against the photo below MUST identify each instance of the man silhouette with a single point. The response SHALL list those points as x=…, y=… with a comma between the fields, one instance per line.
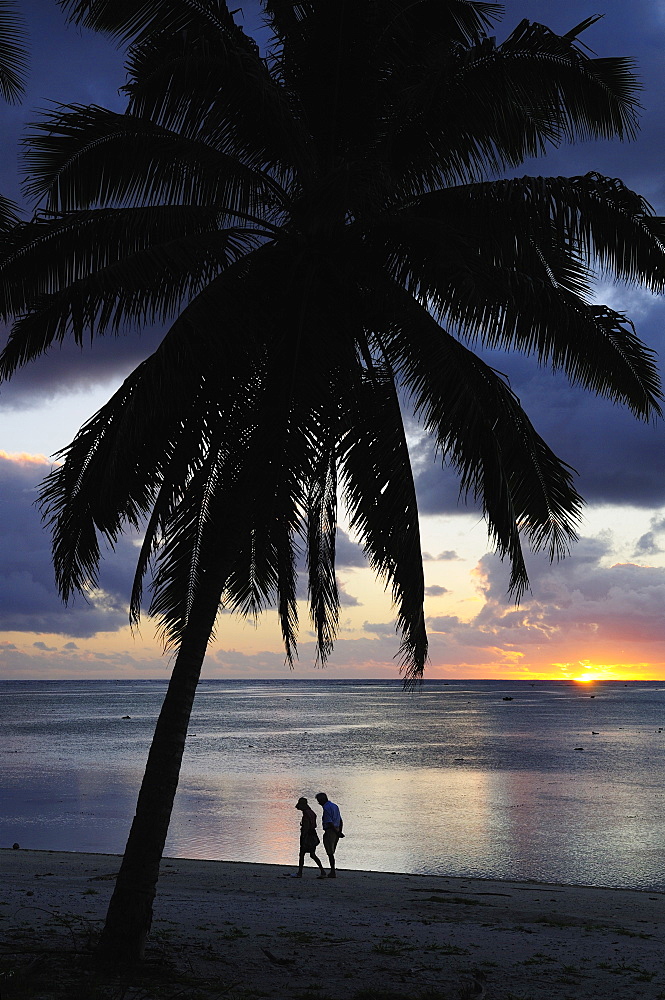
x=332, y=824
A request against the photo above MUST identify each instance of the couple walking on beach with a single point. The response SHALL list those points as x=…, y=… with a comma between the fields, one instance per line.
x=332, y=824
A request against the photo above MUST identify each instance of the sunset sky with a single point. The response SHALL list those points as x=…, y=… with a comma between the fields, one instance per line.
x=599, y=614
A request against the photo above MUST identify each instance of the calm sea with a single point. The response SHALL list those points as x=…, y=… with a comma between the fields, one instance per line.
x=552, y=781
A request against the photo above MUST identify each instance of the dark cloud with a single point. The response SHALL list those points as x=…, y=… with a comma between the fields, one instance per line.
x=347, y=553
x=380, y=628
x=648, y=544
x=617, y=459
x=443, y=623
x=70, y=368
x=346, y=599
x=435, y=591
x=28, y=598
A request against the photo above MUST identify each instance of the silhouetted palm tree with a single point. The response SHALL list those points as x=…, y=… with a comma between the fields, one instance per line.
x=319, y=230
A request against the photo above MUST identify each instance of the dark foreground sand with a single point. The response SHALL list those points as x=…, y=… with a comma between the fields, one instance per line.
x=225, y=929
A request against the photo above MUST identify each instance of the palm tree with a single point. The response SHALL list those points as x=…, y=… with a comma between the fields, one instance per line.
x=321, y=233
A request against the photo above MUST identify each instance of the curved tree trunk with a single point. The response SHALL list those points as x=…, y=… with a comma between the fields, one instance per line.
x=130, y=911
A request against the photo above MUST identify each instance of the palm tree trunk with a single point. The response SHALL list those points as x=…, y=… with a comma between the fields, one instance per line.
x=129, y=914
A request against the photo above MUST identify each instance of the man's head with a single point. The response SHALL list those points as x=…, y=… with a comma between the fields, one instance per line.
x=301, y=803
x=321, y=798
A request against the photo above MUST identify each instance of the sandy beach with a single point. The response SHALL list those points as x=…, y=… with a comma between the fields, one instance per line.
x=252, y=930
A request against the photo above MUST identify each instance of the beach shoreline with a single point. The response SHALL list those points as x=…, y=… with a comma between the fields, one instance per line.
x=254, y=931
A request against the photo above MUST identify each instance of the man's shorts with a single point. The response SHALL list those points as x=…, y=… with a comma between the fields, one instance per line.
x=330, y=838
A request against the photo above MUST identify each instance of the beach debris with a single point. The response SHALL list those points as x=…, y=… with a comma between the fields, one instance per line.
x=276, y=960
x=473, y=987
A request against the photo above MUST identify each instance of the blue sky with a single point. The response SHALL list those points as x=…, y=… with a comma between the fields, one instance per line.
x=619, y=461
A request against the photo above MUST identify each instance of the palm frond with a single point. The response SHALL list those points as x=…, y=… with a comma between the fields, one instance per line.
x=94, y=492
x=205, y=86
x=592, y=219
x=242, y=511
x=128, y=19
x=138, y=453
x=509, y=264
x=88, y=157
x=151, y=285
x=379, y=494
x=481, y=429
x=13, y=55
x=480, y=109
x=321, y=539
x=10, y=216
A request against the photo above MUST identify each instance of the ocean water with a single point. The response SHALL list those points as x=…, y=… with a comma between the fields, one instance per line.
x=552, y=781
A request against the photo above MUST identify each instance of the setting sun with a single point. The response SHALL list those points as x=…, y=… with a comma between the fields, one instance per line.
x=608, y=672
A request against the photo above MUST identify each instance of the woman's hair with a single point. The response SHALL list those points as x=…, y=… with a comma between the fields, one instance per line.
x=302, y=801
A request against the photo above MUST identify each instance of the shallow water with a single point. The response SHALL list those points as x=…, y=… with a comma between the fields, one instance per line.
x=452, y=779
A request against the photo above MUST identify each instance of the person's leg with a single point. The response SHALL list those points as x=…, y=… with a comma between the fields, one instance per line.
x=330, y=843
x=317, y=860
x=301, y=862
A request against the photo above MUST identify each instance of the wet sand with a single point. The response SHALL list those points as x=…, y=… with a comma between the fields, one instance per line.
x=252, y=930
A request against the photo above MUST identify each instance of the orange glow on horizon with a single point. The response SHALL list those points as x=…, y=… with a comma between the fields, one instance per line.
x=604, y=672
